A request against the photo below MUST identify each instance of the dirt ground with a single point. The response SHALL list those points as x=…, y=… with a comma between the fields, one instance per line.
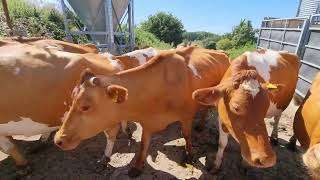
x=165, y=153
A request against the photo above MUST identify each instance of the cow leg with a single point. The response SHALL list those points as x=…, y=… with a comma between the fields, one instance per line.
x=274, y=134
x=223, y=141
x=292, y=143
x=142, y=155
x=186, y=134
x=111, y=136
x=202, y=122
x=125, y=129
x=43, y=144
x=8, y=147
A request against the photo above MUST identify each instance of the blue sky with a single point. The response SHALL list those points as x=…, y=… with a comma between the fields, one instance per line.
x=217, y=16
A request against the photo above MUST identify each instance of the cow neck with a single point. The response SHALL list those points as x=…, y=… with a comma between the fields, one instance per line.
x=99, y=64
x=139, y=83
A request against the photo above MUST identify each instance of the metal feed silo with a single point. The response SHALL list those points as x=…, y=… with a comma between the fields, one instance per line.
x=308, y=7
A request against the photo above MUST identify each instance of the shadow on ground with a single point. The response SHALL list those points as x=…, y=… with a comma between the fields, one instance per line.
x=166, y=151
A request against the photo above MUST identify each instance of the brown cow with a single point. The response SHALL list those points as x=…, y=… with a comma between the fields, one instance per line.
x=155, y=94
x=306, y=126
x=51, y=43
x=36, y=87
x=244, y=99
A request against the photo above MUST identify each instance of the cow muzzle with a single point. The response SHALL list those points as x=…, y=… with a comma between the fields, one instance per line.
x=312, y=160
x=262, y=160
x=66, y=142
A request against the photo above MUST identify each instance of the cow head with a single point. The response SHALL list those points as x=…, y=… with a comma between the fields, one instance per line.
x=243, y=103
x=312, y=160
x=93, y=110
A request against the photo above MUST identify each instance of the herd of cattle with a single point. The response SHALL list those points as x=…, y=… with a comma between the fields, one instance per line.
x=49, y=85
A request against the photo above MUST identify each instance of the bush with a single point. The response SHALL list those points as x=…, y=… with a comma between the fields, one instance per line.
x=165, y=27
x=199, y=35
x=147, y=39
x=209, y=43
x=243, y=34
x=31, y=20
x=235, y=52
x=224, y=44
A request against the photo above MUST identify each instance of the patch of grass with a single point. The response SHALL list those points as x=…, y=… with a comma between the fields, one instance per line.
x=237, y=52
x=31, y=20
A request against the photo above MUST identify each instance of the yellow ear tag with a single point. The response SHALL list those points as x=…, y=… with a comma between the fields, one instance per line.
x=115, y=97
x=271, y=86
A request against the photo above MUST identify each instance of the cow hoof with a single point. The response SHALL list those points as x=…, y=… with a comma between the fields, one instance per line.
x=134, y=172
x=23, y=170
x=214, y=170
x=274, y=141
x=291, y=147
x=186, y=159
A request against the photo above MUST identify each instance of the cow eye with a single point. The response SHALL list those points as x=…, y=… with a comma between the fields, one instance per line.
x=85, y=108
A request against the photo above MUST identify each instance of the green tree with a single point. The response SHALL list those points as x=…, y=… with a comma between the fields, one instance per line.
x=243, y=34
x=224, y=44
x=209, y=43
x=199, y=35
x=146, y=39
x=165, y=27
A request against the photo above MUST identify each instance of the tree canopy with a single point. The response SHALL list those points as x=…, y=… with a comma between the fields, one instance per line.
x=165, y=27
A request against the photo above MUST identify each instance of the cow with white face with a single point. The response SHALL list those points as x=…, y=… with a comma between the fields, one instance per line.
x=257, y=85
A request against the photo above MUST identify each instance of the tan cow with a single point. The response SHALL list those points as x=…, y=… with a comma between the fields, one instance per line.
x=36, y=87
x=51, y=43
x=155, y=94
x=306, y=126
x=244, y=99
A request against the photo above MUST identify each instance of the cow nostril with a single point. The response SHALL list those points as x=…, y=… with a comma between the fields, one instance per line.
x=59, y=143
x=258, y=162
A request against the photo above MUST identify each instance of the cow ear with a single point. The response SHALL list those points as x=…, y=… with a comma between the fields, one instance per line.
x=117, y=94
x=273, y=88
x=207, y=96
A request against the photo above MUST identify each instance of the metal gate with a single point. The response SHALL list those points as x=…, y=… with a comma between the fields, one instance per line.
x=282, y=34
x=299, y=35
x=310, y=56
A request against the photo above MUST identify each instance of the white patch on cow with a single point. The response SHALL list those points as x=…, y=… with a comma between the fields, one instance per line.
x=24, y=126
x=223, y=141
x=124, y=125
x=140, y=55
x=54, y=47
x=194, y=70
x=273, y=110
x=263, y=62
x=116, y=64
x=63, y=116
x=16, y=70
x=317, y=152
x=5, y=144
x=107, y=55
x=7, y=58
x=252, y=86
x=109, y=147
